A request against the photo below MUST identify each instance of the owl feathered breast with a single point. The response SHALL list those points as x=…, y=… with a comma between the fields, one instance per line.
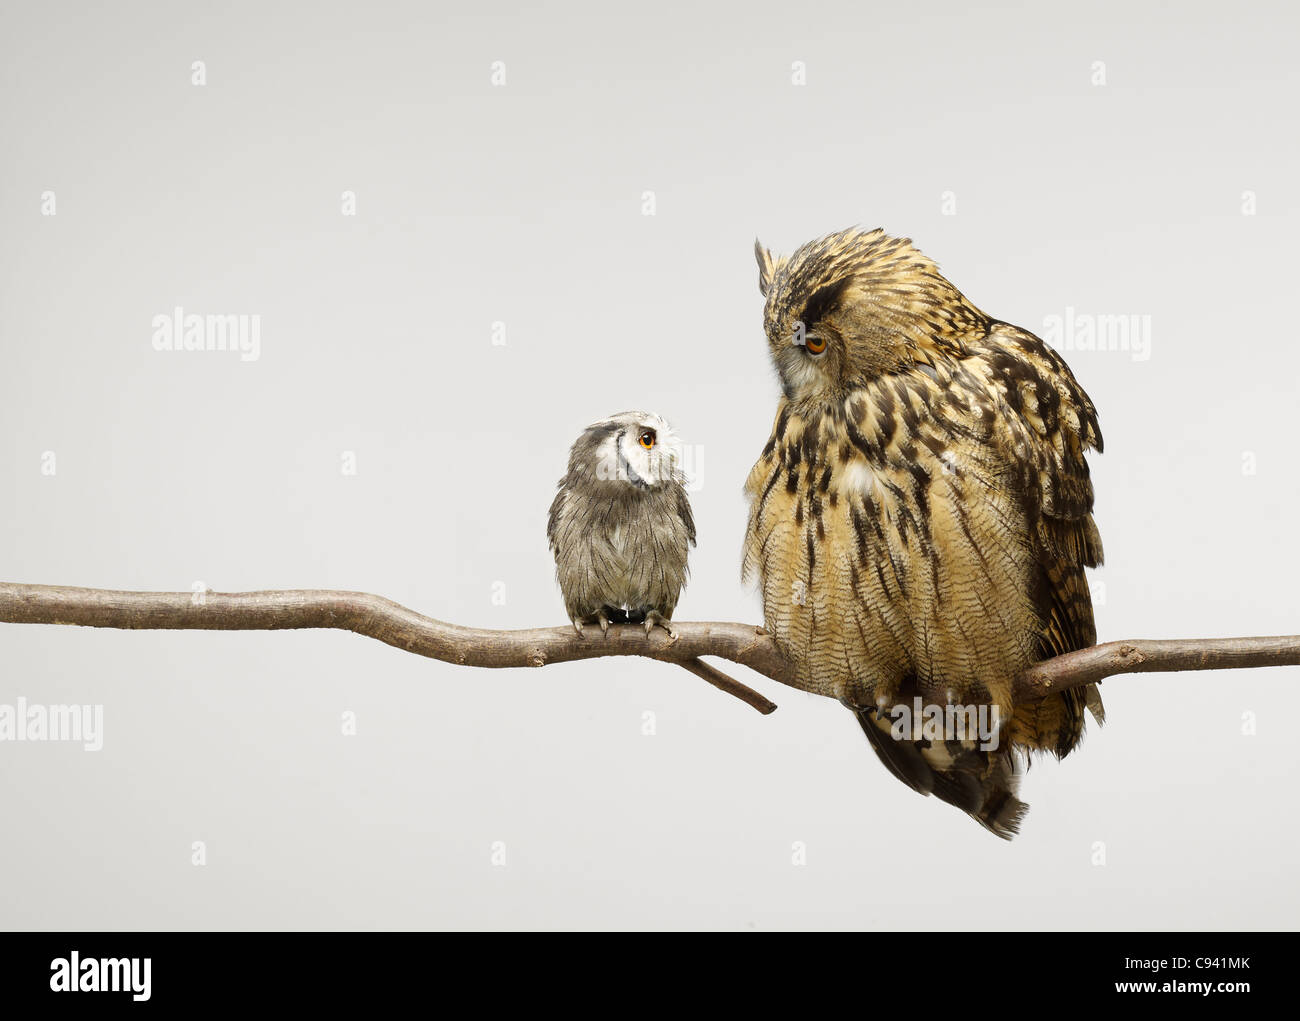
x=920, y=517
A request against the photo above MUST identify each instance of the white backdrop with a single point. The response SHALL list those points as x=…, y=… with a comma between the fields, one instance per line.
x=494, y=283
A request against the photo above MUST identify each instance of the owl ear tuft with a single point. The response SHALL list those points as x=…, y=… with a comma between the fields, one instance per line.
x=766, y=267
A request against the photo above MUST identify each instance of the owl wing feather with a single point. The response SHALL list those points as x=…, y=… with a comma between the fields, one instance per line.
x=1049, y=423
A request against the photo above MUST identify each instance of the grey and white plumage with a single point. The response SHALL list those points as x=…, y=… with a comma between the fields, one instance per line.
x=621, y=526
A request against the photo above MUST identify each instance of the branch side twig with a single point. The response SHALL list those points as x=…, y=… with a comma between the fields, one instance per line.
x=403, y=628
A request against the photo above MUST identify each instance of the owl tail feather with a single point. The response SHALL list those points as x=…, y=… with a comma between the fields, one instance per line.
x=1055, y=724
x=982, y=784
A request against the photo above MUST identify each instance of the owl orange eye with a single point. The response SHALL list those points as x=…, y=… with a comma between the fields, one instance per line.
x=647, y=439
x=815, y=345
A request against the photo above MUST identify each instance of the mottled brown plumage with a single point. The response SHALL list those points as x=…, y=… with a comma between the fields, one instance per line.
x=920, y=518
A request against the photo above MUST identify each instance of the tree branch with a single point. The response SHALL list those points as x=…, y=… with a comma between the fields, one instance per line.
x=402, y=628
x=1146, y=656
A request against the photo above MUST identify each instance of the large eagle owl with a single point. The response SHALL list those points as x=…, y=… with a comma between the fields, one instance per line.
x=920, y=518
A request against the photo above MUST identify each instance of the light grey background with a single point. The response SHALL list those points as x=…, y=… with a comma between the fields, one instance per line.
x=523, y=204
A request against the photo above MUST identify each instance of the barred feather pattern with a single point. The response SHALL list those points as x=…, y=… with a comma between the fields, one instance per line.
x=920, y=517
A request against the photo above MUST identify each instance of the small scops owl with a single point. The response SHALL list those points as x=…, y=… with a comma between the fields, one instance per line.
x=921, y=516
x=620, y=526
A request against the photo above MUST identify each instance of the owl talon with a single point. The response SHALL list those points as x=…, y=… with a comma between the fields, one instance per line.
x=652, y=619
x=577, y=626
x=604, y=622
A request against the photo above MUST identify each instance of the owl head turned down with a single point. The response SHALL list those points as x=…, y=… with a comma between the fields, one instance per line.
x=856, y=305
x=633, y=448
